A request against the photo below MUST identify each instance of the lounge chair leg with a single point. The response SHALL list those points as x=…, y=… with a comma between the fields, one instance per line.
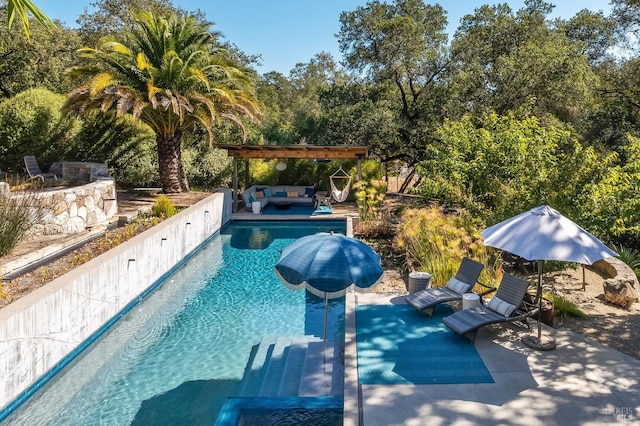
x=429, y=312
x=472, y=336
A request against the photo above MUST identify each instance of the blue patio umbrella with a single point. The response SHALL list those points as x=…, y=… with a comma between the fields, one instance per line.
x=328, y=264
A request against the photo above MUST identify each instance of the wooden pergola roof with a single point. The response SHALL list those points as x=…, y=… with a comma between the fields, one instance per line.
x=296, y=151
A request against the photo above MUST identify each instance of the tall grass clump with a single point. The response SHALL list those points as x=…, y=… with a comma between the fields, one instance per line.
x=163, y=207
x=563, y=308
x=18, y=213
x=436, y=243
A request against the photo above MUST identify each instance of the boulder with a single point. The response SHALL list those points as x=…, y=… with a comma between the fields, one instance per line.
x=621, y=290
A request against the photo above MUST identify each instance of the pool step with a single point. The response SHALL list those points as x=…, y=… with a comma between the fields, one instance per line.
x=293, y=366
x=254, y=373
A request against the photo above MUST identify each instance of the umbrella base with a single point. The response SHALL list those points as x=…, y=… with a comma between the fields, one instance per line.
x=541, y=344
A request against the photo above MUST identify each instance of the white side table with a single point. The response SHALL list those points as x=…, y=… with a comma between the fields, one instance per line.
x=255, y=207
x=470, y=300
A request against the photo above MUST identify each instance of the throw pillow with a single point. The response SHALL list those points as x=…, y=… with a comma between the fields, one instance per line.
x=501, y=307
x=309, y=191
x=292, y=194
x=259, y=195
x=251, y=198
x=267, y=192
x=281, y=194
x=458, y=286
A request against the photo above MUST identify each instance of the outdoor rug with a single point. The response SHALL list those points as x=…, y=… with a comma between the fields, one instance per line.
x=398, y=345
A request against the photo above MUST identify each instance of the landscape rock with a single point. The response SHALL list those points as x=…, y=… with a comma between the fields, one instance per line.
x=622, y=287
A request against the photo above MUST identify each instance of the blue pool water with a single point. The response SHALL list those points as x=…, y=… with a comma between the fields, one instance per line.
x=177, y=356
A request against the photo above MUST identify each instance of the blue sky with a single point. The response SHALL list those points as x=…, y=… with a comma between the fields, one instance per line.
x=287, y=32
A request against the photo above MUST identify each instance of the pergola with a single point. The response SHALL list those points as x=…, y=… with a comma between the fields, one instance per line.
x=290, y=151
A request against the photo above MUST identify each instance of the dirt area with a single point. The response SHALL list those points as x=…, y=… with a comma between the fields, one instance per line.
x=612, y=326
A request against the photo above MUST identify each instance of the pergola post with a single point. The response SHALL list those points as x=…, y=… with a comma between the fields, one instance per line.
x=235, y=183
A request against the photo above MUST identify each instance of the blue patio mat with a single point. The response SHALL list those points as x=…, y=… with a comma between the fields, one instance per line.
x=398, y=345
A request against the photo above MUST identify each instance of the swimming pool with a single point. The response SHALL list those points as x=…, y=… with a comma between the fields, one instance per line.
x=176, y=356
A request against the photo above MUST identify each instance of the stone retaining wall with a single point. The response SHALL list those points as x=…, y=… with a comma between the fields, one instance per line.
x=73, y=210
x=40, y=329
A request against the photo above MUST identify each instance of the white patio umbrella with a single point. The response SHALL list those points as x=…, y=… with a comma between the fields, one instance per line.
x=544, y=234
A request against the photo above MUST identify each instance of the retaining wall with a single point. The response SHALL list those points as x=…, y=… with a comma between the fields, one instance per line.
x=73, y=210
x=40, y=329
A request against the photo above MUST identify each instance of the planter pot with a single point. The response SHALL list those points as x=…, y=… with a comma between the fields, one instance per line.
x=546, y=315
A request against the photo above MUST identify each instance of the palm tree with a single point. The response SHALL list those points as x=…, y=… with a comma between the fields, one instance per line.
x=23, y=8
x=165, y=74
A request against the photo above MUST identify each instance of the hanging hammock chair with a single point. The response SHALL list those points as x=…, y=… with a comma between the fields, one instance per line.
x=340, y=195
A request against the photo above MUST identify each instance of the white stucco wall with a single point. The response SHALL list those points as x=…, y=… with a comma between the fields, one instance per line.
x=40, y=329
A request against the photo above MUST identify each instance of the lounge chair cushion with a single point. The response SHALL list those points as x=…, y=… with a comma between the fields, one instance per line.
x=501, y=306
x=458, y=286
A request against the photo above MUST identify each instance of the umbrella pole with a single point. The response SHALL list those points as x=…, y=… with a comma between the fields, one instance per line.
x=546, y=344
x=324, y=333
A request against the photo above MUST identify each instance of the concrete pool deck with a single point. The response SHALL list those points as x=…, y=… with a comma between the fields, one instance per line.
x=579, y=383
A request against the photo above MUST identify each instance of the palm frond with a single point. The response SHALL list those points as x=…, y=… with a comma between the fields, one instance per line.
x=100, y=82
x=22, y=8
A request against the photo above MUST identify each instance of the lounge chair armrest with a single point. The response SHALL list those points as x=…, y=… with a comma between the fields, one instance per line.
x=488, y=289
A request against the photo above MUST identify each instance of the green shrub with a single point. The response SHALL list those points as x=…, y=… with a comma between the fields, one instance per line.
x=163, y=207
x=436, y=243
x=206, y=167
x=126, y=145
x=31, y=124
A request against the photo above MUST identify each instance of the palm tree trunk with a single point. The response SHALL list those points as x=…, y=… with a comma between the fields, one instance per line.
x=172, y=177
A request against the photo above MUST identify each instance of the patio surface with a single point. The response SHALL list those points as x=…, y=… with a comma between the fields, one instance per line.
x=579, y=383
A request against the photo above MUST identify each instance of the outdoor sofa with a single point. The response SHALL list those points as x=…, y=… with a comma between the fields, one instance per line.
x=294, y=194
